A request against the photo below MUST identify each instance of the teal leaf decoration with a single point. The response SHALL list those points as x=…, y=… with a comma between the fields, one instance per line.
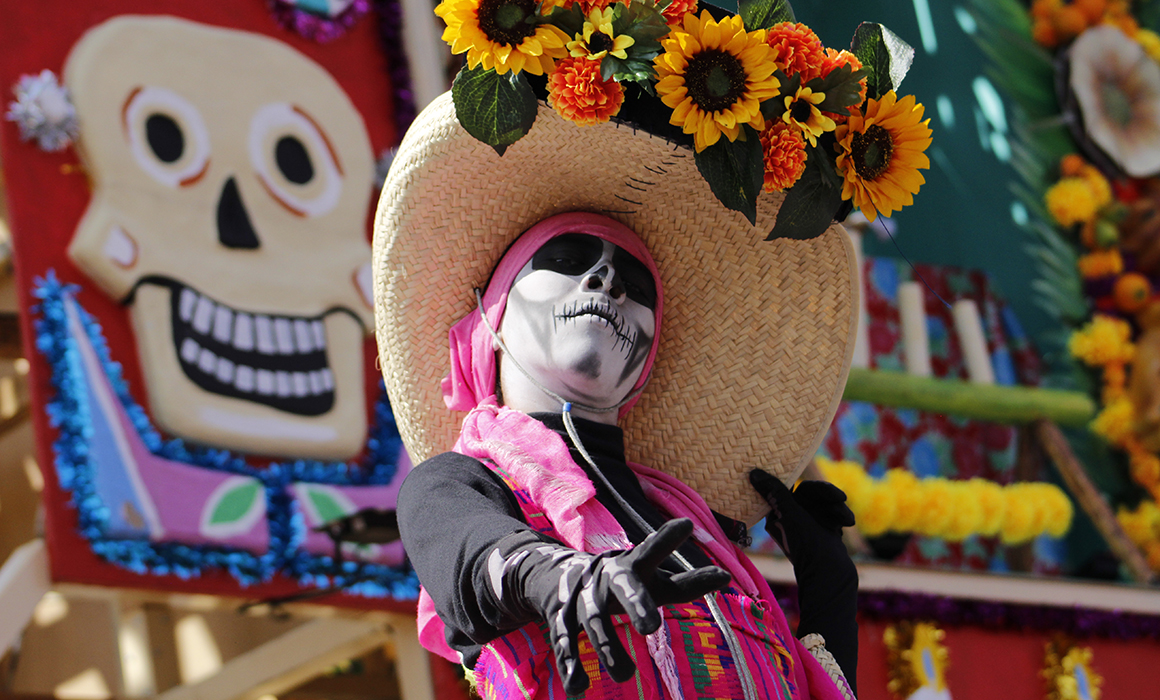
x=235, y=504
x=885, y=57
x=325, y=505
x=763, y=14
x=735, y=171
x=496, y=109
x=810, y=204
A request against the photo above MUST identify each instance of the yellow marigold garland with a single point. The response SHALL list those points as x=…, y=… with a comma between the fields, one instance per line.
x=950, y=509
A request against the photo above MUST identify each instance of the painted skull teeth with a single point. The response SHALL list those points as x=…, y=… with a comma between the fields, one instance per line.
x=278, y=361
x=625, y=336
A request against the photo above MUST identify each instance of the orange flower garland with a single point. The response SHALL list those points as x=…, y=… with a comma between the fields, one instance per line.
x=578, y=93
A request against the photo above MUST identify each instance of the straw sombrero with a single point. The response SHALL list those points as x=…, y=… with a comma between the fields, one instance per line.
x=757, y=335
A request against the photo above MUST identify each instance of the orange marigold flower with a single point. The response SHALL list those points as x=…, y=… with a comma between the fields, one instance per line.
x=1071, y=165
x=1042, y=9
x=1069, y=21
x=1093, y=10
x=785, y=155
x=579, y=94
x=799, y=50
x=1101, y=263
x=677, y=9
x=1043, y=31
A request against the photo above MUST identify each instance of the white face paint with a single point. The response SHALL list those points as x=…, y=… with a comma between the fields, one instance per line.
x=580, y=319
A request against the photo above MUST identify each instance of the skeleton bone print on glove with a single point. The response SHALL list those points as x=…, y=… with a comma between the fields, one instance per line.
x=231, y=178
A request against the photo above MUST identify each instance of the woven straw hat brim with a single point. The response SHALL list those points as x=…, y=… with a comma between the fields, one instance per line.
x=757, y=336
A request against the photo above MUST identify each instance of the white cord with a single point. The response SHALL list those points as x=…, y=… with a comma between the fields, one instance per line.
x=749, y=687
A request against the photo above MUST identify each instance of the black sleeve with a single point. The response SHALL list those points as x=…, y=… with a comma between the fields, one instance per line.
x=452, y=510
x=828, y=601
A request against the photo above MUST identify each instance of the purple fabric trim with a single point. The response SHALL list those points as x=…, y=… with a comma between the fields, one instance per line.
x=994, y=615
x=315, y=27
x=390, y=30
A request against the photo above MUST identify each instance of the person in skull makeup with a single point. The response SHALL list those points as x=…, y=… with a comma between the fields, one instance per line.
x=553, y=564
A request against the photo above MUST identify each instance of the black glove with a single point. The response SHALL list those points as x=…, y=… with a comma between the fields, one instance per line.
x=572, y=590
x=807, y=524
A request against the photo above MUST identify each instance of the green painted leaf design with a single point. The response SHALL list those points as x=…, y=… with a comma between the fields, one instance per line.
x=884, y=55
x=325, y=505
x=735, y=171
x=496, y=109
x=763, y=14
x=234, y=504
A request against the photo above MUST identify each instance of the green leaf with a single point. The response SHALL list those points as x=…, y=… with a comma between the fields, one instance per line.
x=325, y=505
x=570, y=20
x=235, y=504
x=842, y=88
x=763, y=14
x=735, y=171
x=884, y=55
x=496, y=109
x=810, y=204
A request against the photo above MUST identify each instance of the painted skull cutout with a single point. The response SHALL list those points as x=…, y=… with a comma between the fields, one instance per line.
x=580, y=316
x=231, y=180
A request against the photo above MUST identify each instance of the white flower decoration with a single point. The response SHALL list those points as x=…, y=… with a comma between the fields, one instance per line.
x=1118, y=89
x=44, y=111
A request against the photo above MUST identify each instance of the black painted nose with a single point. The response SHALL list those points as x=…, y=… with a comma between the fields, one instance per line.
x=233, y=222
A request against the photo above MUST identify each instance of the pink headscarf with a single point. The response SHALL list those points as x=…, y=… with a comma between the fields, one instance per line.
x=473, y=371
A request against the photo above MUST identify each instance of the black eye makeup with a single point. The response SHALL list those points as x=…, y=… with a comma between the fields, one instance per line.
x=576, y=253
x=569, y=254
x=637, y=280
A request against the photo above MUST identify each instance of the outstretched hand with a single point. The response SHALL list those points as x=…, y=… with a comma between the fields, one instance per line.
x=807, y=522
x=572, y=590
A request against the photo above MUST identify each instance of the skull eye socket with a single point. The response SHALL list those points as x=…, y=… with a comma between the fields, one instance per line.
x=294, y=159
x=166, y=135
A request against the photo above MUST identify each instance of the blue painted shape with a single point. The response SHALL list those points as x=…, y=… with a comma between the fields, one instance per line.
x=923, y=459
x=111, y=479
x=884, y=275
x=1004, y=367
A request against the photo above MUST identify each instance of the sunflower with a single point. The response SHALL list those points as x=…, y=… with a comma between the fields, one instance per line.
x=880, y=151
x=597, y=38
x=801, y=111
x=496, y=34
x=714, y=77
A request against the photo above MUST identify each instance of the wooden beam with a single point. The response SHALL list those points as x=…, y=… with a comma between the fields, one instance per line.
x=1091, y=500
x=10, y=345
x=288, y=661
x=412, y=664
x=24, y=579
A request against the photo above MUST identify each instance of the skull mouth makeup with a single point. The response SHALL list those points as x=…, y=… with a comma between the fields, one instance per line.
x=626, y=336
x=275, y=360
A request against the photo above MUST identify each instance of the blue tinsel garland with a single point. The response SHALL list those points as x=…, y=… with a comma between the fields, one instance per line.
x=68, y=413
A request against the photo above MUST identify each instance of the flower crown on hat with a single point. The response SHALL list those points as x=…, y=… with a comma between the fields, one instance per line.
x=824, y=126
